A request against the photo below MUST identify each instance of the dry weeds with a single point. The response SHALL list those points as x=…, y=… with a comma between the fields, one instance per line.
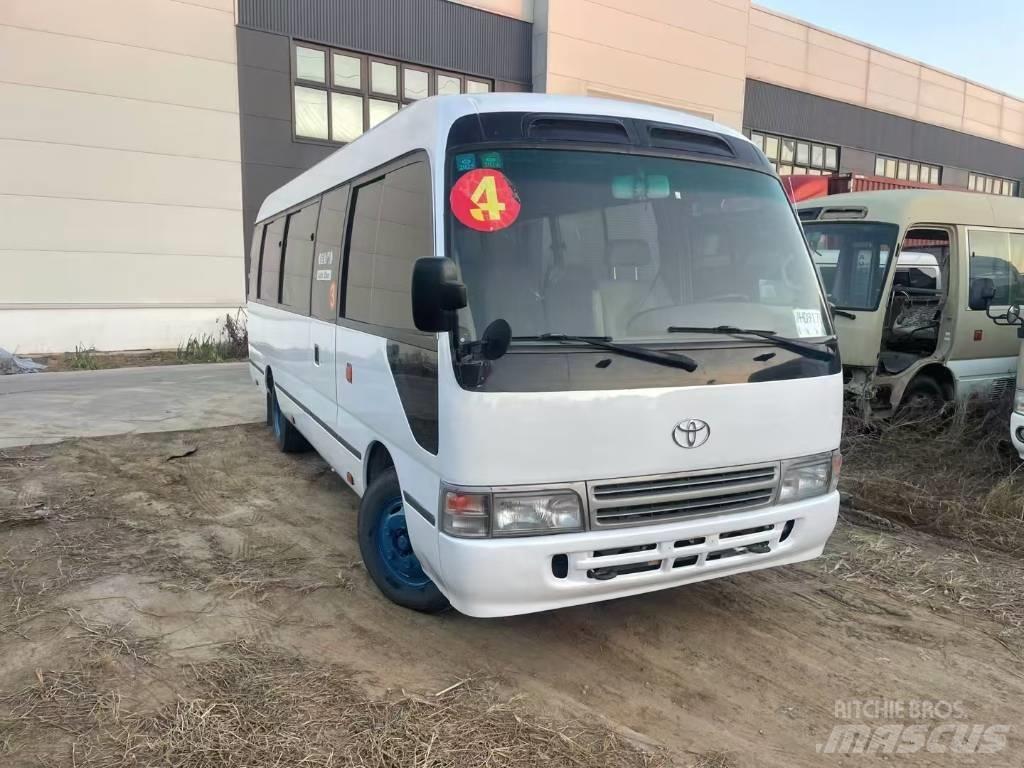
x=940, y=577
x=955, y=474
x=261, y=708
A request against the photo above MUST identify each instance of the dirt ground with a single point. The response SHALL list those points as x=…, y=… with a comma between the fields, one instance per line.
x=197, y=599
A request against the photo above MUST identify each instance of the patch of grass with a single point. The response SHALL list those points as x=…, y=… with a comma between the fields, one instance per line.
x=988, y=583
x=82, y=359
x=262, y=708
x=955, y=474
x=230, y=343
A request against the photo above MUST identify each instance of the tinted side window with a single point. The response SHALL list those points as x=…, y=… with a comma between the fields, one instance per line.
x=990, y=257
x=254, y=261
x=298, y=258
x=391, y=229
x=270, y=267
x=327, y=262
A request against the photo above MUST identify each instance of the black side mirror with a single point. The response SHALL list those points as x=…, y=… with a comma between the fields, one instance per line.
x=437, y=294
x=495, y=339
x=983, y=290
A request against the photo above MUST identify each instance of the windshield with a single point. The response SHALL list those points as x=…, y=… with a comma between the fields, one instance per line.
x=623, y=246
x=852, y=258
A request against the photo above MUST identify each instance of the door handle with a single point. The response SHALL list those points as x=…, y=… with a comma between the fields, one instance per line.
x=316, y=354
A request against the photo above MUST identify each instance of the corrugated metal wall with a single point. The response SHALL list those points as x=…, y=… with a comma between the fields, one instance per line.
x=793, y=113
x=435, y=33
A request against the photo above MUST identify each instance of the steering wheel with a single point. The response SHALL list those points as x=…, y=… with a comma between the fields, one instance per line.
x=642, y=313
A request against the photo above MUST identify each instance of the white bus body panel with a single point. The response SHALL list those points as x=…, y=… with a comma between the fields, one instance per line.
x=543, y=437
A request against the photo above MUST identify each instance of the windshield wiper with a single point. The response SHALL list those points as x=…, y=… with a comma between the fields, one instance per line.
x=605, y=342
x=781, y=341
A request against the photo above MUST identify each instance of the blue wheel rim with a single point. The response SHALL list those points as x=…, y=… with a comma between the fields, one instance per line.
x=395, y=548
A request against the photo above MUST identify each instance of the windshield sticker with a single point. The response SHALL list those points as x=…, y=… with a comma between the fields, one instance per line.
x=485, y=200
x=808, y=322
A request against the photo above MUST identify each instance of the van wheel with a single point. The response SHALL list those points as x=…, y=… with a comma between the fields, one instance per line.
x=923, y=395
x=288, y=438
x=387, y=550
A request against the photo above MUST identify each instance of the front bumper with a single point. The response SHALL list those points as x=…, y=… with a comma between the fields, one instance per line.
x=1016, y=425
x=504, y=577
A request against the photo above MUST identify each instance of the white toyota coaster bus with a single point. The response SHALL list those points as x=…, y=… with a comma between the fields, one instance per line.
x=565, y=349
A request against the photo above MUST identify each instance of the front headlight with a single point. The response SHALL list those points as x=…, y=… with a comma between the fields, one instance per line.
x=813, y=476
x=480, y=513
x=1018, y=401
x=536, y=513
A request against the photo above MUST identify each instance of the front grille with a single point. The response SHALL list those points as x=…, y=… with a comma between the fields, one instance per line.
x=664, y=498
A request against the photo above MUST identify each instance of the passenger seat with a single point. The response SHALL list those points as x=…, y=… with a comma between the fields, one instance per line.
x=628, y=287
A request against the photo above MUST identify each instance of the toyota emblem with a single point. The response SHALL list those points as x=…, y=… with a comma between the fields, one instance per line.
x=691, y=433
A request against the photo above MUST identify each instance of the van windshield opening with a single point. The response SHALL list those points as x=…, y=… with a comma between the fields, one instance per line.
x=853, y=259
x=623, y=247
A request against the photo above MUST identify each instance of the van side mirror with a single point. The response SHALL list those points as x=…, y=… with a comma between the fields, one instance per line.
x=437, y=294
x=983, y=290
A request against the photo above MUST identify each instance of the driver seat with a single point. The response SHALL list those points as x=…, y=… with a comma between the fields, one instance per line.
x=628, y=287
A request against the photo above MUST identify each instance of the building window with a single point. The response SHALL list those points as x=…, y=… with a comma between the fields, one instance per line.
x=796, y=157
x=991, y=185
x=907, y=170
x=337, y=95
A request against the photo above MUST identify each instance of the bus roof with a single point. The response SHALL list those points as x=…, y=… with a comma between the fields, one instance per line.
x=424, y=125
x=923, y=206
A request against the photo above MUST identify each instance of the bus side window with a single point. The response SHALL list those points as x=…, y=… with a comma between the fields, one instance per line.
x=391, y=230
x=298, y=258
x=990, y=257
x=270, y=261
x=327, y=256
x=252, y=285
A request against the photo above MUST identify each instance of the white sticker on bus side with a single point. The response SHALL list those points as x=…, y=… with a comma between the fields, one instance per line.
x=323, y=274
x=808, y=322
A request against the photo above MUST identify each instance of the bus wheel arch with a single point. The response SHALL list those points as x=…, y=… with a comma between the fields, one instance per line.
x=930, y=382
x=378, y=461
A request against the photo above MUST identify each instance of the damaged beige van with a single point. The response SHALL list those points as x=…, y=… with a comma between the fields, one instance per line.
x=904, y=271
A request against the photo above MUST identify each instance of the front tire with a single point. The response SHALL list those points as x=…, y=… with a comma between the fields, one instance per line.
x=924, y=395
x=387, y=549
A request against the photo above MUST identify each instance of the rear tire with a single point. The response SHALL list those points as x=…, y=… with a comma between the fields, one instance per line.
x=387, y=550
x=287, y=436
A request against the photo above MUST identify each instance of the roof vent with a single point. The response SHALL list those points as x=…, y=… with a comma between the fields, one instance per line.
x=840, y=214
x=556, y=128
x=689, y=141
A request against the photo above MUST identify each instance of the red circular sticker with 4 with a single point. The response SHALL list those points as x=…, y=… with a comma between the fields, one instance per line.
x=484, y=200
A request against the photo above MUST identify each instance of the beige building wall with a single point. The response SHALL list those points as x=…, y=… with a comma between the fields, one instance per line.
x=516, y=9
x=120, y=194
x=684, y=54
x=791, y=53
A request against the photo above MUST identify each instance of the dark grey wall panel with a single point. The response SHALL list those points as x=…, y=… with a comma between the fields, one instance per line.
x=270, y=154
x=782, y=110
x=435, y=33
